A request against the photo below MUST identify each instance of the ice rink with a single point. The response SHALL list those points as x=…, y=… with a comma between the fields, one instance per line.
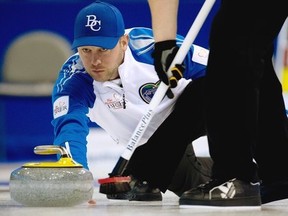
x=103, y=154
x=169, y=206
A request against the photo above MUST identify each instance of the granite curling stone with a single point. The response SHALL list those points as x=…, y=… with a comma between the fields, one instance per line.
x=51, y=184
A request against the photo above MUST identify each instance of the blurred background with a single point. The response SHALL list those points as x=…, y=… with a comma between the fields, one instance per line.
x=35, y=39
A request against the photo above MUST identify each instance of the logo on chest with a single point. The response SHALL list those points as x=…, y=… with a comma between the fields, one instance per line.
x=147, y=91
x=117, y=101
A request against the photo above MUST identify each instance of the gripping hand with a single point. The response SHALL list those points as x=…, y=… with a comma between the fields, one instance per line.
x=163, y=55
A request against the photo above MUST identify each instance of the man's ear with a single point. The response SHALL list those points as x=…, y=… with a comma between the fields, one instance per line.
x=124, y=41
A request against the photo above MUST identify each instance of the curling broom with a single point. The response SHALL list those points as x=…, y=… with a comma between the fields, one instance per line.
x=116, y=183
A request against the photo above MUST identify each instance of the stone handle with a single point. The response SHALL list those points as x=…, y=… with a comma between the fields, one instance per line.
x=51, y=149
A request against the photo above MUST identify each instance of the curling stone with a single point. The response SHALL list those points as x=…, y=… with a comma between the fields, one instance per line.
x=51, y=184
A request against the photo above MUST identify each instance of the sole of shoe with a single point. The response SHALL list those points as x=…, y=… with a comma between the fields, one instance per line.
x=251, y=203
x=220, y=208
x=138, y=197
x=147, y=197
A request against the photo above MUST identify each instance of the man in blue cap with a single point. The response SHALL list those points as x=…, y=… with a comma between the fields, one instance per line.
x=110, y=80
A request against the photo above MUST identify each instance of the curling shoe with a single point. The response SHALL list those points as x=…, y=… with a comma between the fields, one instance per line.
x=140, y=191
x=232, y=194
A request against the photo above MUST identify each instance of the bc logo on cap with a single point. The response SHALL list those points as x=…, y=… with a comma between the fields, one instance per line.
x=93, y=23
x=98, y=24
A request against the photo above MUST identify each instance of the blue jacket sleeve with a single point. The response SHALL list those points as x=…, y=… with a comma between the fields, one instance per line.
x=141, y=44
x=72, y=96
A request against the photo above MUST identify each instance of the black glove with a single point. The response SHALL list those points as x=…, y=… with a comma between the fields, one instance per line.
x=163, y=54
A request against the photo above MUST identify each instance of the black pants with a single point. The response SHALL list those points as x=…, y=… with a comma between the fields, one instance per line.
x=191, y=172
x=246, y=117
x=158, y=159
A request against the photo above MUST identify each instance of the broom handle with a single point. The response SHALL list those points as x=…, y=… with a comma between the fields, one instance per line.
x=162, y=88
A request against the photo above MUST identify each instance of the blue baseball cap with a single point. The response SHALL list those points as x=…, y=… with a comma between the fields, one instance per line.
x=98, y=24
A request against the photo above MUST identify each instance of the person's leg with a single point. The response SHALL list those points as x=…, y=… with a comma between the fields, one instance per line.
x=241, y=73
x=231, y=92
x=236, y=64
x=232, y=97
x=191, y=172
x=271, y=150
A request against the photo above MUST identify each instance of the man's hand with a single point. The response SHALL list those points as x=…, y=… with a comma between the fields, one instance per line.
x=163, y=54
x=92, y=202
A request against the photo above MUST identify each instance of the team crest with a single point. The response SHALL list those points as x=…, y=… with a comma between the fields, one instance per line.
x=147, y=91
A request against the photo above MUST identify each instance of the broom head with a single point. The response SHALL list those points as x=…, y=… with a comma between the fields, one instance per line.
x=114, y=185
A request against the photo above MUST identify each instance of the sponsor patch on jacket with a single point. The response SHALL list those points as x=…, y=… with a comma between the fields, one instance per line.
x=60, y=106
x=200, y=55
x=147, y=91
x=117, y=101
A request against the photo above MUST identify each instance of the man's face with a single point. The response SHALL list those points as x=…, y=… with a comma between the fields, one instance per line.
x=102, y=64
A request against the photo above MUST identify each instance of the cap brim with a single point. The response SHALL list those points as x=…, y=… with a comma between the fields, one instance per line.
x=104, y=42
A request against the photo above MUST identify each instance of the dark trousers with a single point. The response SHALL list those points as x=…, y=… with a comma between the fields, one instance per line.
x=191, y=172
x=246, y=116
x=157, y=160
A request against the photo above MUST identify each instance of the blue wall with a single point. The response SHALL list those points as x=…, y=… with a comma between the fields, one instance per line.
x=22, y=16
x=25, y=121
